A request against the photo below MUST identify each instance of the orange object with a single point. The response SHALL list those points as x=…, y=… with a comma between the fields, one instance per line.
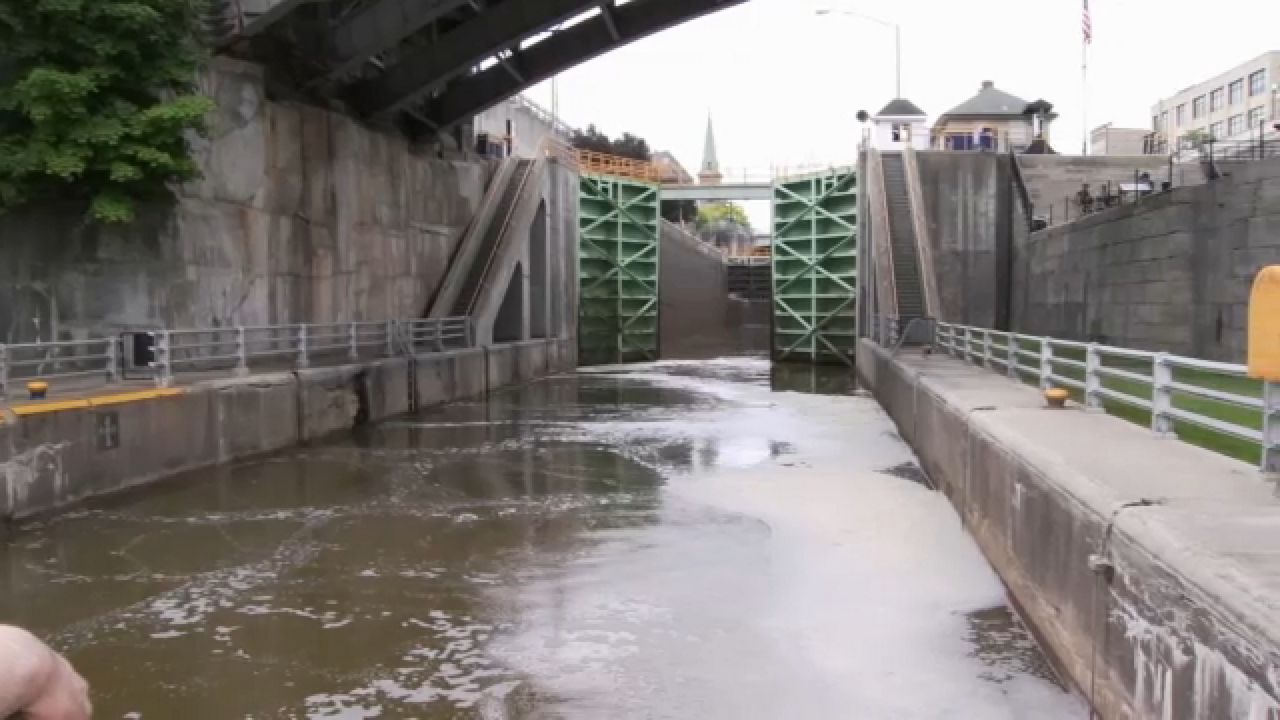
x=37, y=389
x=1264, y=325
x=1056, y=397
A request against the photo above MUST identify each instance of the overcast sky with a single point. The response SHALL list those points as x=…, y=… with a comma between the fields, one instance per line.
x=784, y=85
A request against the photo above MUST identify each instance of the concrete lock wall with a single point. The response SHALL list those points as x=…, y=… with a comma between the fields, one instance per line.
x=1172, y=633
x=967, y=198
x=302, y=215
x=49, y=460
x=1171, y=273
x=697, y=319
x=1053, y=181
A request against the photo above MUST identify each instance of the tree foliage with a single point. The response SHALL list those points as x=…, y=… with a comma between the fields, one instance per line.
x=637, y=148
x=97, y=101
x=725, y=212
x=626, y=145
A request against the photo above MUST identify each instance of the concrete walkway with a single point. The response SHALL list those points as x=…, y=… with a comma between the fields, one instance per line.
x=1150, y=566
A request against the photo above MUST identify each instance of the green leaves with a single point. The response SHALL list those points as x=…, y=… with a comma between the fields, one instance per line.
x=96, y=101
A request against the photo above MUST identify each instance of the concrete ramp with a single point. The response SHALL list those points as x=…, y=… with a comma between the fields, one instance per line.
x=468, y=248
x=507, y=291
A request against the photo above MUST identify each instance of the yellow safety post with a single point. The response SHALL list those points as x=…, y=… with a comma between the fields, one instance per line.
x=1264, y=325
x=1264, y=361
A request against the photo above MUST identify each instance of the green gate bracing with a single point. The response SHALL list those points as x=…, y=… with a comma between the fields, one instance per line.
x=815, y=267
x=618, y=264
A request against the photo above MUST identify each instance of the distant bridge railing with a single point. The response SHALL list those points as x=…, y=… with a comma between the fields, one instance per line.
x=1212, y=404
x=167, y=353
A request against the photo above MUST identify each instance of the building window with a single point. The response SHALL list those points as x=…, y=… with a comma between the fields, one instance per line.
x=1180, y=115
x=1235, y=92
x=1235, y=125
x=1164, y=120
x=1197, y=108
x=1155, y=123
x=1215, y=131
x=1215, y=100
x=1257, y=83
x=1256, y=117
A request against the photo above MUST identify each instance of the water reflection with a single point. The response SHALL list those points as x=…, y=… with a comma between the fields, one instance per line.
x=518, y=557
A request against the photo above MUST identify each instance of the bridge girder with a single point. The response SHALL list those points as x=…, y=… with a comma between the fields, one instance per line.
x=383, y=25
x=439, y=62
x=424, y=70
x=438, y=72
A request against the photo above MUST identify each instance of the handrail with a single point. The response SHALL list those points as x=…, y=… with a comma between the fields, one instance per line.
x=1173, y=399
x=175, y=351
x=1020, y=183
x=502, y=232
x=920, y=228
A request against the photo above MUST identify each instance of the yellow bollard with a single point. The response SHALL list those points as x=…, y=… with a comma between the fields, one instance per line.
x=1264, y=325
x=1056, y=397
x=37, y=389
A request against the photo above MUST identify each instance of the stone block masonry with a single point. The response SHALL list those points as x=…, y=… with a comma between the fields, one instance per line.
x=49, y=460
x=1144, y=565
x=302, y=215
x=1171, y=273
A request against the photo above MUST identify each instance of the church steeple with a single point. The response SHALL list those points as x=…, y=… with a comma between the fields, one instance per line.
x=710, y=172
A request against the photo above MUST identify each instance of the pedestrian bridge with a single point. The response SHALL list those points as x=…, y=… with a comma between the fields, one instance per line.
x=719, y=193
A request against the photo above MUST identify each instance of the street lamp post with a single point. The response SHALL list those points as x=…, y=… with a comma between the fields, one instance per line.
x=897, y=40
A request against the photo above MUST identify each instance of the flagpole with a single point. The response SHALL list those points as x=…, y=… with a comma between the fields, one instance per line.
x=1086, y=35
x=1084, y=97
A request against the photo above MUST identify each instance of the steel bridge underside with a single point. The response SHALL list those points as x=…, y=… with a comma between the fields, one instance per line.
x=428, y=65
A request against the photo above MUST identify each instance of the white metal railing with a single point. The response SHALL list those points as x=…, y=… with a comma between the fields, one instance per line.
x=1168, y=387
x=96, y=357
x=238, y=349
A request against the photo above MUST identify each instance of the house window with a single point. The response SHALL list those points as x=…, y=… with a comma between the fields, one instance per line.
x=1256, y=116
x=1164, y=120
x=1215, y=100
x=1215, y=131
x=1235, y=125
x=1235, y=92
x=1197, y=108
x=1257, y=83
x=1155, y=123
x=960, y=141
x=1180, y=115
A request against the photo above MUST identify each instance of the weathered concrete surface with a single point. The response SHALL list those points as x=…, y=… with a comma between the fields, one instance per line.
x=302, y=215
x=445, y=377
x=1054, y=180
x=1172, y=273
x=694, y=316
x=967, y=208
x=60, y=457
x=255, y=415
x=54, y=459
x=501, y=365
x=1189, y=626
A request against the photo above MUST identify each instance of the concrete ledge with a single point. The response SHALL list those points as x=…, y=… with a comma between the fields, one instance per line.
x=254, y=415
x=501, y=366
x=60, y=455
x=1188, y=626
x=445, y=377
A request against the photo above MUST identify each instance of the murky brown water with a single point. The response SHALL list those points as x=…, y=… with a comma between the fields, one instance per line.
x=670, y=541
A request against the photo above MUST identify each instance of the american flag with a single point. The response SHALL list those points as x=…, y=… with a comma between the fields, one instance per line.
x=1086, y=23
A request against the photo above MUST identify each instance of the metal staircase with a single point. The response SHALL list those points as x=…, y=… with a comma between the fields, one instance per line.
x=902, y=234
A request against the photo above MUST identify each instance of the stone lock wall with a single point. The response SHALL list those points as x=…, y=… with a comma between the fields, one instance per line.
x=1171, y=273
x=302, y=215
